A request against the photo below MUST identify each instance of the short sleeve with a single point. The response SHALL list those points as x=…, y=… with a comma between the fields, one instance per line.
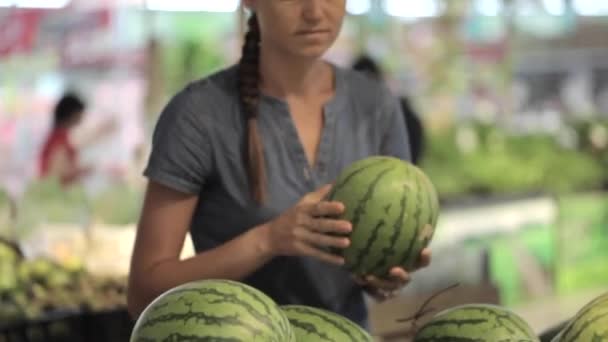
x=181, y=156
x=395, y=140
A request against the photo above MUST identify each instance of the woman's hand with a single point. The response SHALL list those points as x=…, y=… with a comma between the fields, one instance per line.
x=383, y=289
x=307, y=229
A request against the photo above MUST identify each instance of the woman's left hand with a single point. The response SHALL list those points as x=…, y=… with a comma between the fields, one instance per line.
x=384, y=288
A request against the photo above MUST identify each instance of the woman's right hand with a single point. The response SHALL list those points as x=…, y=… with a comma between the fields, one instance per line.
x=306, y=229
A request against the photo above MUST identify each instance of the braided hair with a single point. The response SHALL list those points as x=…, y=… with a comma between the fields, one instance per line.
x=249, y=91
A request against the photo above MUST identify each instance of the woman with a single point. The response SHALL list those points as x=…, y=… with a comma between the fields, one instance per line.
x=240, y=160
x=415, y=130
x=59, y=156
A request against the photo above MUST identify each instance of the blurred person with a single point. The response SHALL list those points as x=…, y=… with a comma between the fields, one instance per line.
x=368, y=66
x=59, y=155
x=243, y=158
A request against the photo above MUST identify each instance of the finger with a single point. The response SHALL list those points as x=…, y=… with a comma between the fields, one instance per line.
x=386, y=284
x=424, y=259
x=399, y=274
x=381, y=295
x=316, y=253
x=326, y=209
x=324, y=240
x=329, y=226
x=359, y=280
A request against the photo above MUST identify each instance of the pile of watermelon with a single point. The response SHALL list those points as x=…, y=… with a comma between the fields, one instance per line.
x=393, y=208
x=226, y=310
x=484, y=322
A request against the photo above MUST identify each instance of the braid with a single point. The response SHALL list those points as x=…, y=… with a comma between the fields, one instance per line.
x=249, y=88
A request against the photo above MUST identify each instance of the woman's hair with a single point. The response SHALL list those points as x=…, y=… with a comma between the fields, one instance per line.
x=68, y=106
x=249, y=89
x=366, y=64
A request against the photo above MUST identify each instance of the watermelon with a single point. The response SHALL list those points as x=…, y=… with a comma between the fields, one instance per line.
x=589, y=324
x=213, y=310
x=476, y=322
x=312, y=324
x=393, y=208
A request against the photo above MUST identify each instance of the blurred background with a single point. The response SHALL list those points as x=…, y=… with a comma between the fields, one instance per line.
x=512, y=96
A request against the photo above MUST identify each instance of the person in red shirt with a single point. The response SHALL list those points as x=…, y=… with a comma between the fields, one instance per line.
x=59, y=156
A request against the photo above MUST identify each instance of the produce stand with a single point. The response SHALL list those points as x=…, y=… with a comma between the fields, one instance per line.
x=388, y=329
x=484, y=149
x=110, y=325
x=41, y=300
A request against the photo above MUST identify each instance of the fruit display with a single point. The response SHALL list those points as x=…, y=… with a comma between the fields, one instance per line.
x=486, y=161
x=393, y=208
x=590, y=323
x=46, y=200
x=312, y=324
x=213, y=310
x=33, y=288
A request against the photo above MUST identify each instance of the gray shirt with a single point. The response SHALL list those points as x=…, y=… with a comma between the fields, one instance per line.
x=198, y=148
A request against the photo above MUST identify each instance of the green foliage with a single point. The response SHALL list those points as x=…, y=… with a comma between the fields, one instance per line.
x=503, y=164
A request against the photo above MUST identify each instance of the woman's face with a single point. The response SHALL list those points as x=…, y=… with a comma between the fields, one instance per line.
x=301, y=28
x=76, y=119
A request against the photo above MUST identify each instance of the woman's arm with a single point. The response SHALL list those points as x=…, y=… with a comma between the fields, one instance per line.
x=155, y=267
x=155, y=264
x=61, y=167
x=83, y=138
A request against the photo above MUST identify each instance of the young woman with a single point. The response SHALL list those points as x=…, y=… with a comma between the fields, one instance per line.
x=241, y=160
x=415, y=129
x=59, y=155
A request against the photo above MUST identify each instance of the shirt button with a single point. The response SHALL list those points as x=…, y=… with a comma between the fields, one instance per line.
x=306, y=174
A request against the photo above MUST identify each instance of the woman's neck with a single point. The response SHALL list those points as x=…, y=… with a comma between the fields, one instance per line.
x=286, y=76
x=62, y=127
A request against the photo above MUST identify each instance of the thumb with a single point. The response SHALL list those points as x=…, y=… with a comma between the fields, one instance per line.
x=321, y=193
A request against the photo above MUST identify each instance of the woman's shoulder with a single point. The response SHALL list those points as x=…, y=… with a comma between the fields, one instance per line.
x=219, y=87
x=365, y=92
x=206, y=99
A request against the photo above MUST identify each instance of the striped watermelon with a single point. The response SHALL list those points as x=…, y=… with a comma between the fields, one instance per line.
x=589, y=324
x=476, y=322
x=213, y=310
x=393, y=207
x=317, y=325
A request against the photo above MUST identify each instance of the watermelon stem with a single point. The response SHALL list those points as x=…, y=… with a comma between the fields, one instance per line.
x=422, y=311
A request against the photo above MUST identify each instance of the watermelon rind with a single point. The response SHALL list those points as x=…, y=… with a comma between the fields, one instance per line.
x=393, y=208
x=213, y=310
x=590, y=323
x=311, y=324
x=476, y=322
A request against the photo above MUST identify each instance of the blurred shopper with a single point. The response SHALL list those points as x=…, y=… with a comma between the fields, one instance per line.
x=241, y=159
x=59, y=155
x=414, y=125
